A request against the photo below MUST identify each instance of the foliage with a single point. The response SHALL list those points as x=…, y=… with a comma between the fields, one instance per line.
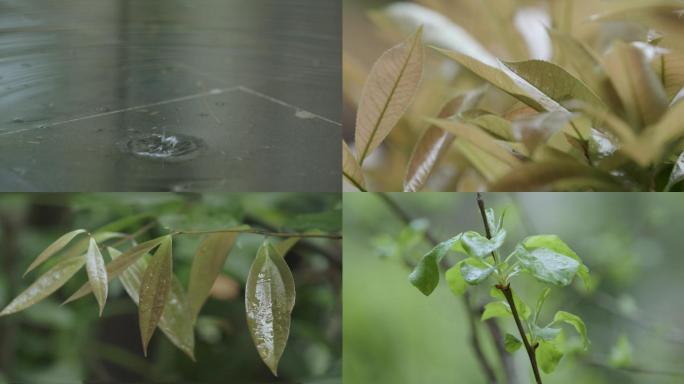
x=603, y=111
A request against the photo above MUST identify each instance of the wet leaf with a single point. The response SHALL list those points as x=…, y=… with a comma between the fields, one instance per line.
x=154, y=291
x=115, y=267
x=46, y=284
x=425, y=276
x=474, y=271
x=207, y=263
x=555, y=244
x=479, y=246
x=53, y=248
x=390, y=87
x=97, y=274
x=548, y=266
x=284, y=246
x=176, y=321
x=269, y=299
x=351, y=168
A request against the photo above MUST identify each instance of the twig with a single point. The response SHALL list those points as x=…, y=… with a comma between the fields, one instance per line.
x=474, y=338
x=508, y=293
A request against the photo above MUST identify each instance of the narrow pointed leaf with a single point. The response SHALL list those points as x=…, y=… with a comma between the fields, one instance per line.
x=176, y=321
x=116, y=267
x=154, y=291
x=284, y=246
x=390, y=87
x=351, y=168
x=269, y=300
x=206, y=265
x=53, y=248
x=46, y=284
x=97, y=274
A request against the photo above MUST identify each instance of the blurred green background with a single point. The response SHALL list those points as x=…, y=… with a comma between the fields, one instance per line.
x=631, y=242
x=49, y=343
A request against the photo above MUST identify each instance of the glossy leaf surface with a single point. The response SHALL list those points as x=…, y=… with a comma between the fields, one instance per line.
x=474, y=271
x=154, y=291
x=53, y=248
x=97, y=274
x=554, y=243
x=479, y=246
x=548, y=266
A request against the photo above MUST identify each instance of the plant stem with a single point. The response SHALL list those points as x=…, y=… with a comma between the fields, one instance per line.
x=508, y=294
x=259, y=232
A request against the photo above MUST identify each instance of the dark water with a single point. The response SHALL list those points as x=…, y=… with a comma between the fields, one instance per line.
x=108, y=95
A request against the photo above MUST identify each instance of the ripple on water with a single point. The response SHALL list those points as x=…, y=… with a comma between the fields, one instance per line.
x=166, y=147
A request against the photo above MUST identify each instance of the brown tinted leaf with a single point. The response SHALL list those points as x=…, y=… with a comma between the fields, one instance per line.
x=154, y=291
x=97, y=274
x=53, y=248
x=546, y=176
x=351, y=168
x=390, y=87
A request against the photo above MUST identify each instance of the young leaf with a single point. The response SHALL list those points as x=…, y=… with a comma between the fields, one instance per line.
x=46, y=284
x=206, y=266
x=496, y=309
x=621, y=353
x=176, y=321
x=546, y=333
x=97, y=274
x=269, y=299
x=548, y=356
x=511, y=343
x=455, y=279
x=474, y=271
x=115, y=267
x=540, y=302
x=479, y=246
x=53, y=248
x=154, y=290
x=555, y=244
x=284, y=246
x=575, y=321
x=547, y=265
x=387, y=94
x=425, y=276
x=351, y=168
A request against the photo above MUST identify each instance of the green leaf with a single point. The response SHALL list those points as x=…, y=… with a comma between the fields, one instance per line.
x=540, y=302
x=496, y=309
x=548, y=356
x=576, y=322
x=546, y=333
x=557, y=245
x=455, y=279
x=284, y=246
x=154, y=291
x=474, y=271
x=46, y=284
x=116, y=267
x=53, y=248
x=97, y=274
x=479, y=246
x=176, y=321
x=425, y=276
x=511, y=343
x=547, y=265
x=523, y=309
x=387, y=93
x=207, y=263
x=269, y=299
x=621, y=353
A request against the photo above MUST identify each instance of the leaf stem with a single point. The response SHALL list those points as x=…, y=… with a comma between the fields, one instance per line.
x=508, y=294
x=259, y=232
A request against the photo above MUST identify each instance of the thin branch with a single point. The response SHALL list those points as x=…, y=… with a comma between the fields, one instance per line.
x=508, y=293
x=474, y=338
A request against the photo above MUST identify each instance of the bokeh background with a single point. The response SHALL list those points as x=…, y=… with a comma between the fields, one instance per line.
x=49, y=343
x=631, y=242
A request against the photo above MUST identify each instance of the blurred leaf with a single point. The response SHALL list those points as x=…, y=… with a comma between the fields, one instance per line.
x=455, y=279
x=207, y=263
x=284, y=246
x=176, y=321
x=154, y=290
x=547, y=265
x=351, y=168
x=575, y=321
x=488, y=166
x=496, y=309
x=425, y=276
x=511, y=343
x=326, y=221
x=479, y=246
x=269, y=299
x=677, y=173
x=545, y=176
x=540, y=302
x=546, y=333
x=46, y=284
x=670, y=69
x=497, y=126
x=474, y=271
x=654, y=141
x=390, y=87
x=97, y=274
x=548, y=356
x=554, y=243
x=53, y=248
x=621, y=353
x=536, y=130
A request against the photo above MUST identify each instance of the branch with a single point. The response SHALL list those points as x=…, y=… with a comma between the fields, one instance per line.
x=474, y=338
x=508, y=293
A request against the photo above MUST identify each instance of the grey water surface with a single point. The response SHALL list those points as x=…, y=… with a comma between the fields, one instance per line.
x=182, y=95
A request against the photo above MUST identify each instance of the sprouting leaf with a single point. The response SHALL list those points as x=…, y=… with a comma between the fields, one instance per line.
x=475, y=271
x=97, y=274
x=479, y=246
x=269, y=299
x=511, y=343
x=548, y=355
x=628, y=70
x=677, y=173
x=455, y=279
x=154, y=291
x=621, y=353
x=176, y=321
x=547, y=265
x=46, y=284
x=554, y=243
x=351, y=168
x=496, y=309
x=53, y=248
x=390, y=87
x=284, y=246
x=207, y=263
x=115, y=267
x=540, y=302
x=575, y=321
x=425, y=276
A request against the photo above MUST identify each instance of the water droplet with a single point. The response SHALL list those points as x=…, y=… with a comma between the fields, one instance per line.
x=167, y=147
